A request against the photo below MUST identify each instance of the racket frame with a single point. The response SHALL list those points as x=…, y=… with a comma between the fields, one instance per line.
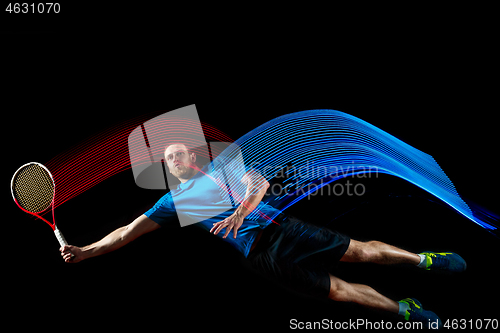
x=57, y=232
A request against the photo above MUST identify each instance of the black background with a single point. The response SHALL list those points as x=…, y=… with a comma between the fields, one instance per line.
x=433, y=89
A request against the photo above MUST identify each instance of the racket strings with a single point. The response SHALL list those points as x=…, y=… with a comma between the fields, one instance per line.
x=33, y=188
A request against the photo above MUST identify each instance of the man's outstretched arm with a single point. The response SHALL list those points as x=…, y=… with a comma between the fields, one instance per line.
x=111, y=242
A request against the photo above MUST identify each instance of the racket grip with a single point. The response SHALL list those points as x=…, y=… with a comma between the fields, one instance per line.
x=60, y=237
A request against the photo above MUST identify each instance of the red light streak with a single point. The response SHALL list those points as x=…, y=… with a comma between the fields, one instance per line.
x=107, y=154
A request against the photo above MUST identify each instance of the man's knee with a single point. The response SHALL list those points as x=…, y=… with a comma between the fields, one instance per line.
x=361, y=251
x=339, y=290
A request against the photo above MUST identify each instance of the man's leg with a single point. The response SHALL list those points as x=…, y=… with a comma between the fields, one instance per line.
x=410, y=308
x=342, y=291
x=379, y=253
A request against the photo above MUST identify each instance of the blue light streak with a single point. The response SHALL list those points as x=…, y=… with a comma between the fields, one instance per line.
x=329, y=144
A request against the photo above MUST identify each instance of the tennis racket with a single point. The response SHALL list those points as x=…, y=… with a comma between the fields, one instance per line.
x=33, y=190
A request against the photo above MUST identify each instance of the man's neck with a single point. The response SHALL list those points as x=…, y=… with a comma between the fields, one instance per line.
x=185, y=179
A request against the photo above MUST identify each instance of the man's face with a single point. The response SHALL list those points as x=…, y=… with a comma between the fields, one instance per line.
x=180, y=162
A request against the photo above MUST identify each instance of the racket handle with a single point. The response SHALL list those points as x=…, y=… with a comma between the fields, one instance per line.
x=61, y=239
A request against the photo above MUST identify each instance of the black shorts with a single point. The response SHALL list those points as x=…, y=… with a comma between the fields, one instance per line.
x=299, y=255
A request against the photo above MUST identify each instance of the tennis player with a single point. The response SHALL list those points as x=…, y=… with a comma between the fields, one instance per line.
x=295, y=253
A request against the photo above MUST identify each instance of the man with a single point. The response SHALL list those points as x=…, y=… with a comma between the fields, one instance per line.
x=295, y=253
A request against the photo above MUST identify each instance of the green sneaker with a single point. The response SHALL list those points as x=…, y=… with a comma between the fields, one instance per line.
x=416, y=313
x=448, y=261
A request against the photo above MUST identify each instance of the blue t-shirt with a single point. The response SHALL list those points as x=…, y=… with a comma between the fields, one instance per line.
x=204, y=201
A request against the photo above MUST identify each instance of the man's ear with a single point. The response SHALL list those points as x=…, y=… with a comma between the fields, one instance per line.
x=193, y=157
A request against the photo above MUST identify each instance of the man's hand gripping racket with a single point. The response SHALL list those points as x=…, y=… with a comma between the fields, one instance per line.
x=33, y=190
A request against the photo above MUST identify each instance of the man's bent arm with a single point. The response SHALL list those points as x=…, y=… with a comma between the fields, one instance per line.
x=256, y=189
x=111, y=242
